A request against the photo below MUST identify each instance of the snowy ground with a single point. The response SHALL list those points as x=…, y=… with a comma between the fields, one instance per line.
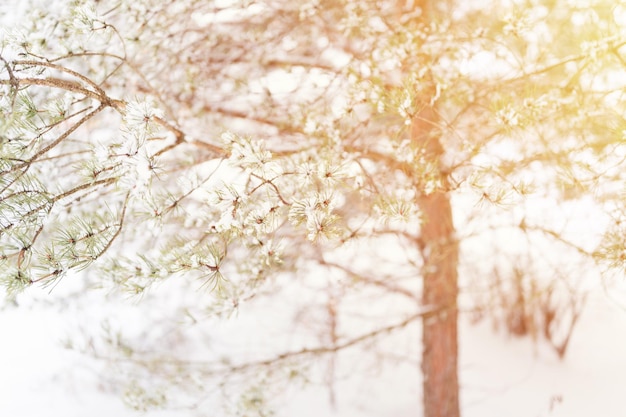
x=501, y=376
x=505, y=377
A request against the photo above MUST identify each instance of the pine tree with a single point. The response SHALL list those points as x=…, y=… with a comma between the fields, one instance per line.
x=238, y=145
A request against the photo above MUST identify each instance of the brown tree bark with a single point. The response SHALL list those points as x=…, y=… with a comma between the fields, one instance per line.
x=440, y=289
x=440, y=252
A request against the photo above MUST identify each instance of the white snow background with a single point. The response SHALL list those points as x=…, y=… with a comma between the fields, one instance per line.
x=500, y=375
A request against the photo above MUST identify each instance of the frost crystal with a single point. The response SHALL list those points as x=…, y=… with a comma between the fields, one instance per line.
x=140, y=116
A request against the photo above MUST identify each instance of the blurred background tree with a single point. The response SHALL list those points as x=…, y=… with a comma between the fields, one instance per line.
x=312, y=155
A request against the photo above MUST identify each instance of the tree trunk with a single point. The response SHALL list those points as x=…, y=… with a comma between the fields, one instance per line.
x=440, y=252
x=439, y=334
